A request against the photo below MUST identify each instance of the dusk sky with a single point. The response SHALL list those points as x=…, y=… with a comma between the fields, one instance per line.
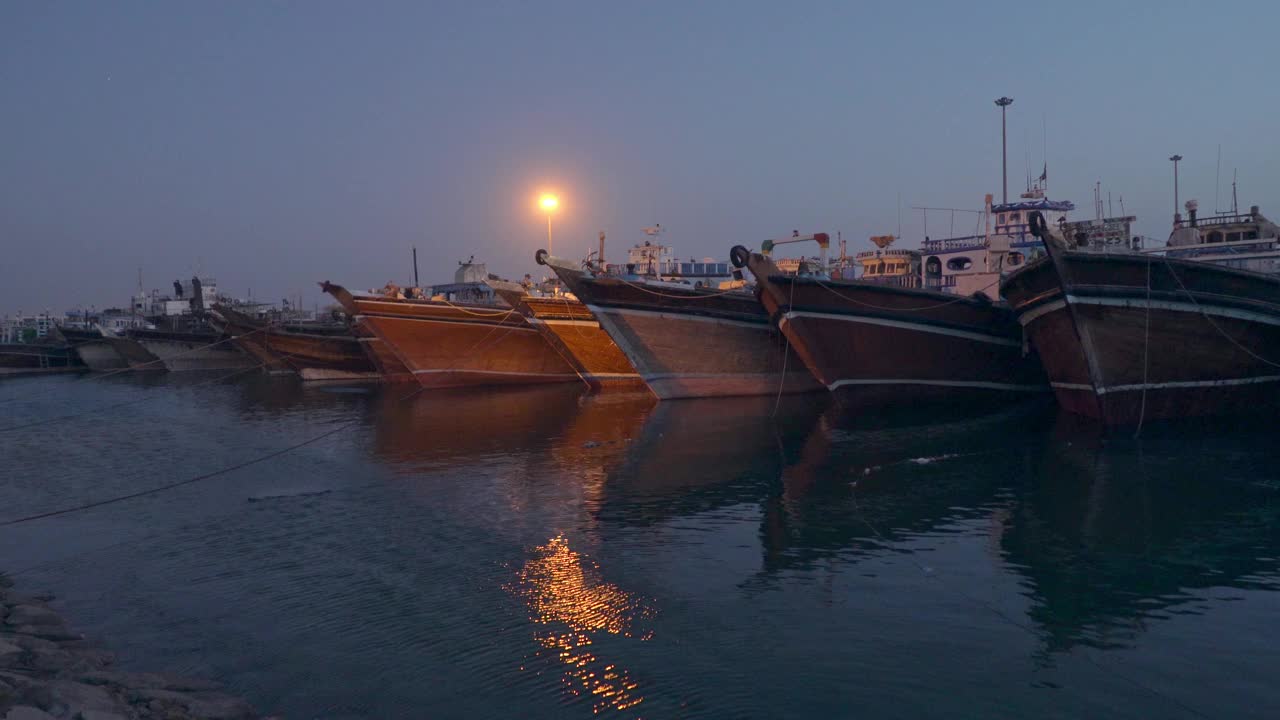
x=275, y=144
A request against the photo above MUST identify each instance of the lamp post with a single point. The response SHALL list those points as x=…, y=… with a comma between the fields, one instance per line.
x=1004, y=102
x=549, y=203
x=1175, y=159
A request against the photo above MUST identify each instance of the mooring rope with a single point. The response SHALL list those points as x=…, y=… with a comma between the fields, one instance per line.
x=1146, y=353
x=786, y=355
x=1210, y=319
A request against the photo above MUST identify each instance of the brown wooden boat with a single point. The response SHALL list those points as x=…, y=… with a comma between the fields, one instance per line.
x=1128, y=336
x=249, y=337
x=447, y=344
x=93, y=349
x=569, y=327
x=687, y=341
x=875, y=343
x=314, y=351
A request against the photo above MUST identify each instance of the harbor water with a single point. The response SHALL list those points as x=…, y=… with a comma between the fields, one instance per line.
x=543, y=553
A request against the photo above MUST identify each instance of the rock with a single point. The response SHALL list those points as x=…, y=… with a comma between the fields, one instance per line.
x=33, y=615
x=71, y=697
x=48, y=632
x=26, y=712
x=31, y=642
x=99, y=715
x=216, y=706
x=10, y=654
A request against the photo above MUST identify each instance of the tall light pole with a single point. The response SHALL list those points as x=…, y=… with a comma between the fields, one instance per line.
x=549, y=203
x=1175, y=159
x=1004, y=102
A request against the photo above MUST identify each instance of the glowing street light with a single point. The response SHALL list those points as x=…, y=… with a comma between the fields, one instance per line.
x=549, y=204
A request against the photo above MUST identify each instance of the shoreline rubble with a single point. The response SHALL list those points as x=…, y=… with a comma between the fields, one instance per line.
x=48, y=672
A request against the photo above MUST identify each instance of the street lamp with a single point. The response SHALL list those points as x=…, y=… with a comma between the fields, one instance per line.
x=1004, y=102
x=1175, y=159
x=549, y=203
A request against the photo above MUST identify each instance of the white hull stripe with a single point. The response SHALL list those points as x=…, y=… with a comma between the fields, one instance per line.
x=917, y=327
x=977, y=384
x=494, y=372
x=719, y=376
x=1142, y=303
x=1173, y=385
x=677, y=316
x=579, y=323
x=408, y=318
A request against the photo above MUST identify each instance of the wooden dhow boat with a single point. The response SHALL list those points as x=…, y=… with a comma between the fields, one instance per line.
x=884, y=339
x=315, y=351
x=448, y=344
x=135, y=356
x=685, y=340
x=569, y=327
x=1128, y=335
x=196, y=348
x=93, y=348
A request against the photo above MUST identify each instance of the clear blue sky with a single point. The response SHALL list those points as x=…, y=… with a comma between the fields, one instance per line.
x=274, y=144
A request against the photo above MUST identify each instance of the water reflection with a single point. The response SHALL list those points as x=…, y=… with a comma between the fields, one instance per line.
x=572, y=608
x=858, y=486
x=416, y=432
x=1113, y=535
x=691, y=456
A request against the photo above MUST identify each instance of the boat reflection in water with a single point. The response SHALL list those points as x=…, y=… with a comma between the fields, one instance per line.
x=425, y=431
x=860, y=484
x=700, y=454
x=572, y=608
x=1115, y=536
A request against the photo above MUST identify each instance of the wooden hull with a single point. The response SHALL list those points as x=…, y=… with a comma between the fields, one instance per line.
x=93, y=349
x=569, y=327
x=136, y=356
x=389, y=365
x=181, y=352
x=873, y=344
x=319, y=356
x=99, y=356
x=452, y=345
x=249, y=337
x=1127, y=338
x=689, y=342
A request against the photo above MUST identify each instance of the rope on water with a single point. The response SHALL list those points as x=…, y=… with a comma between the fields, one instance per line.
x=786, y=355
x=198, y=478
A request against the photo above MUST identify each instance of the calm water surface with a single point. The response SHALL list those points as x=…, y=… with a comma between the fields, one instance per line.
x=540, y=553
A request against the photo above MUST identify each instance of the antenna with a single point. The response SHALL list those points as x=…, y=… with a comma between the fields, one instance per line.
x=899, y=213
x=1235, y=208
x=1110, y=211
x=1217, y=181
x=1122, y=204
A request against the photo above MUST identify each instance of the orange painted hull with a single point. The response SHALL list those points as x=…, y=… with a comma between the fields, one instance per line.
x=449, y=345
x=569, y=327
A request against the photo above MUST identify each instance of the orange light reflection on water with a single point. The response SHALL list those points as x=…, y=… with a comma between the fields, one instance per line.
x=566, y=597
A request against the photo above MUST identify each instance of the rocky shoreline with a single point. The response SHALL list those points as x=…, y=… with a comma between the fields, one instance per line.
x=48, y=672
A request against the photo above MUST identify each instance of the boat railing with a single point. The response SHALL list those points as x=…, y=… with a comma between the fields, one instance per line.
x=1215, y=220
x=960, y=243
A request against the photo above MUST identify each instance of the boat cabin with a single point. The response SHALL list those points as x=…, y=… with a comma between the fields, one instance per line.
x=1004, y=243
x=1246, y=241
x=900, y=268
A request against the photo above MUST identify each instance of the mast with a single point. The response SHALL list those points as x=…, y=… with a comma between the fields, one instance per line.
x=1003, y=103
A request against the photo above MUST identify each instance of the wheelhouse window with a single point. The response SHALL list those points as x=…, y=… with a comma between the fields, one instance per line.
x=960, y=263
